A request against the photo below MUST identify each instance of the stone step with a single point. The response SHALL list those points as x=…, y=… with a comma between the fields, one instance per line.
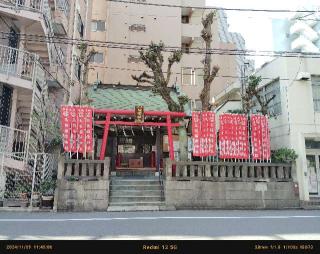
x=141, y=203
x=134, y=182
x=134, y=187
x=133, y=208
x=136, y=193
x=135, y=198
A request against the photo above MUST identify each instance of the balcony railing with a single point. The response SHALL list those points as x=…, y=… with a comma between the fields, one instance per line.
x=15, y=62
x=13, y=142
x=24, y=4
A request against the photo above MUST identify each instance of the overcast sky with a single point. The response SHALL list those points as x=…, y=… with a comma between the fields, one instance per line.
x=256, y=27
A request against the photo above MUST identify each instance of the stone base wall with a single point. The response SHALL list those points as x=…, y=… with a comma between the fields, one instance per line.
x=82, y=196
x=195, y=194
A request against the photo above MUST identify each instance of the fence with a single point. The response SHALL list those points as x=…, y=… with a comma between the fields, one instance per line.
x=16, y=62
x=85, y=169
x=21, y=188
x=229, y=171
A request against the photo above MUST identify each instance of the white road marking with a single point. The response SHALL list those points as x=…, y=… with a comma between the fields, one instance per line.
x=163, y=218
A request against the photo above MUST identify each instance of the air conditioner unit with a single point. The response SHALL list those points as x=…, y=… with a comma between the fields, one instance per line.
x=303, y=76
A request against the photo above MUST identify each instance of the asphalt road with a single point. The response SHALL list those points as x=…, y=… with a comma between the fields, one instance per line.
x=173, y=225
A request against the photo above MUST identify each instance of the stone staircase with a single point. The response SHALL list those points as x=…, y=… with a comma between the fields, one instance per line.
x=135, y=193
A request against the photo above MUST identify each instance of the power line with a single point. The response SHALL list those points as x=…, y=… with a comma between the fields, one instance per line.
x=133, y=46
x=212, y=8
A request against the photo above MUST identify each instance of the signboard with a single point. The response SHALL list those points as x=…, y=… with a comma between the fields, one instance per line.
x=139, y=114
x=233, y=137
x=77, y=128
x=260, y=138
x=204, y=134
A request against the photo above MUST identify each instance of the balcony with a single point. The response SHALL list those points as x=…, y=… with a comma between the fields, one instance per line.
x=26, y=9
x=17, y=65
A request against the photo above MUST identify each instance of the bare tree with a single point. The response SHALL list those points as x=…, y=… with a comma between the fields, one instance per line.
x=84, y=60
x=252, y=91
x=209, y=73
x=160, y=82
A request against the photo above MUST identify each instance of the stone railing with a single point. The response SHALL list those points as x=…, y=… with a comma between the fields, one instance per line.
x=229, y=171
x=84, y=169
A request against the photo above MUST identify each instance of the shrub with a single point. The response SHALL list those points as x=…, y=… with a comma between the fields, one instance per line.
x=47, y=187
x=284, y=155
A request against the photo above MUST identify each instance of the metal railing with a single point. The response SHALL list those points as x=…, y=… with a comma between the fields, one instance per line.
x=13, y=142
x=229, y=171
x=24, y=4
x=16, y=62
x=21, y=187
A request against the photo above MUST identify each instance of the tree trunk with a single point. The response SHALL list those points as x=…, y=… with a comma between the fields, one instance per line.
x=183, y=142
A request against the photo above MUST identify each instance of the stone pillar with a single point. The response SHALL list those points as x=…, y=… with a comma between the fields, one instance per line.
x=76, y=169
x=259, y=172
x=230, y=171
x=168, y=169
x=273, y=172
x=266, y=172
x=185, y=171
x=106, y=166
x=245, y=172
x=237, y=171
x=215, y=171
x=192, y=169
x=280, y=174
x=208, y=171
x=61, y=165
x=223, y=171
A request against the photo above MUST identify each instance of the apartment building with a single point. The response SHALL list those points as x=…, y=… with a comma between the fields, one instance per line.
x=136, y=23
x=37, y=59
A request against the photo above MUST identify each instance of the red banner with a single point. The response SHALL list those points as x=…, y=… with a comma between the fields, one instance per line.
x=260, y=138
x=77, y=128
x=233, y=137
x=204, y=134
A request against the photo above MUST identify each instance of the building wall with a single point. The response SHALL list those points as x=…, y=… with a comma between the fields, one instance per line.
x=298, y=119
x=161, y=24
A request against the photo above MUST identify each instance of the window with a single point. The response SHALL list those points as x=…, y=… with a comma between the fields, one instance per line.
x=185, y=48
x=192, y=76
x=137, y=28
x=185, y=19
x=316, y=92
x=80, y=26
x=98, y=26
x=97, y=58
x=63, y=5
x=266, y=93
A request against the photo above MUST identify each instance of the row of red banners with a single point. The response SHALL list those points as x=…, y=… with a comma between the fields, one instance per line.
x=77, y=128
x=233, y=136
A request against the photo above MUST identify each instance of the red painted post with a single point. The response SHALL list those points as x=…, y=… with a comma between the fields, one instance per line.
x=170, y=139
x=105, y=137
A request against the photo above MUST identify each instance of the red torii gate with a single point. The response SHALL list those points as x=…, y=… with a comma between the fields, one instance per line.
x=108, y=122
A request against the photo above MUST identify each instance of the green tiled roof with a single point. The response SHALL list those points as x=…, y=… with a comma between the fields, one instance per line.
x=127, y=97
